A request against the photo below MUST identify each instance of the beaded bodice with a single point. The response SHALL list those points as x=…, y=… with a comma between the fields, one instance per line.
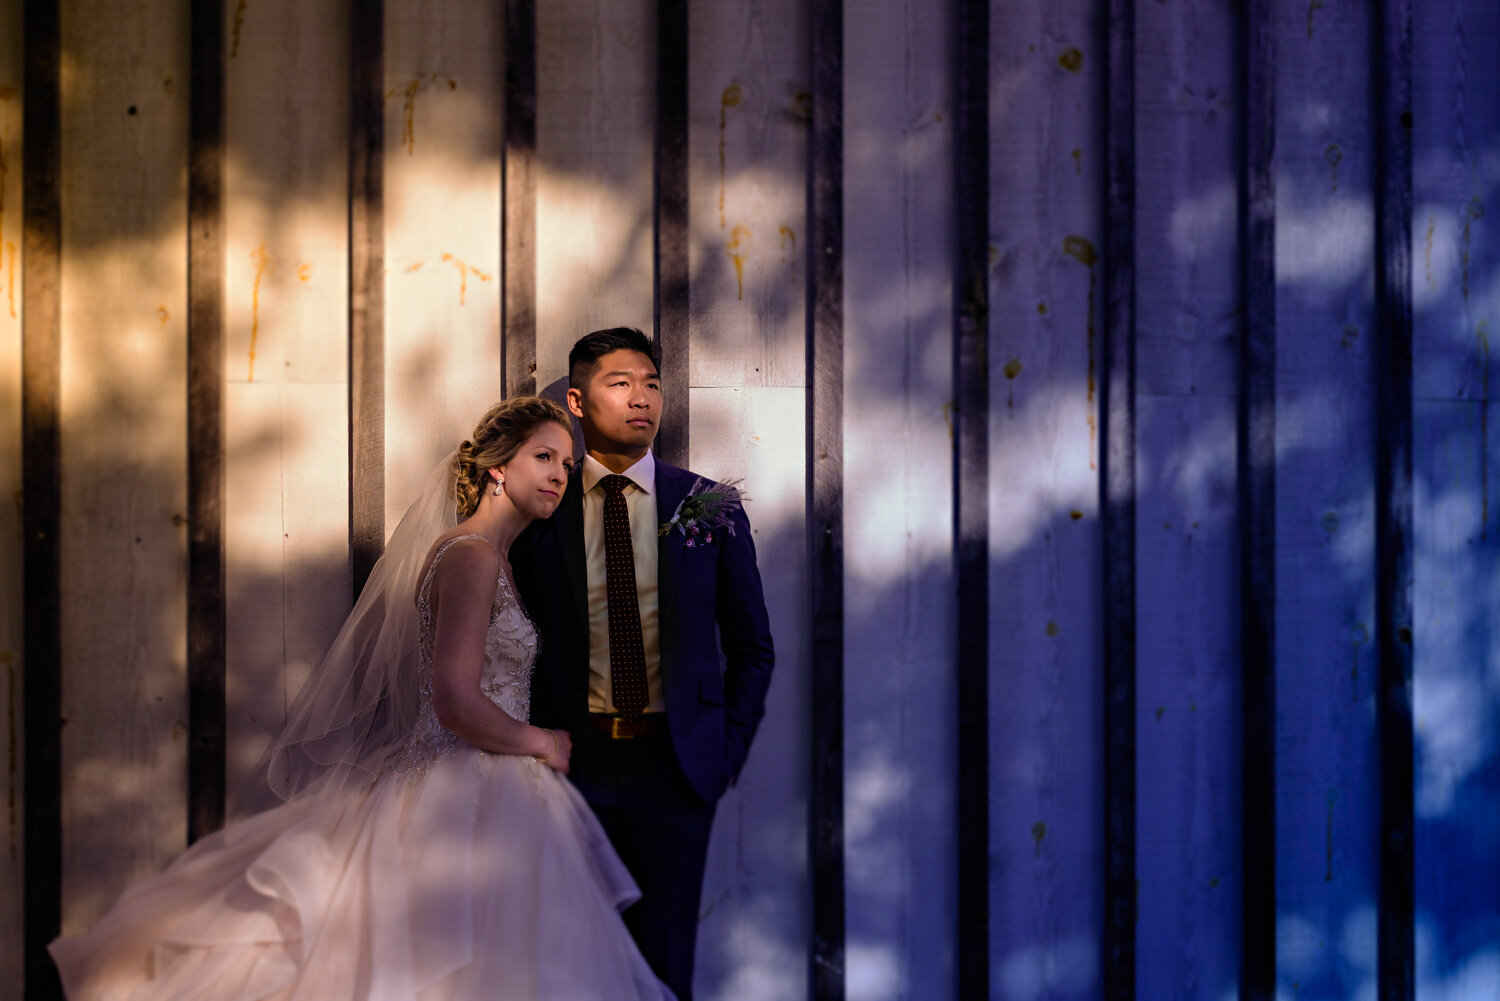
x=510, y=648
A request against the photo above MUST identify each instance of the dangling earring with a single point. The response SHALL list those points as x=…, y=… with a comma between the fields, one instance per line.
x=499, y=487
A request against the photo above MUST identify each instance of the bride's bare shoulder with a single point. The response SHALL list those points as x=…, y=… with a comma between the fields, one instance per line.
x=467, y=562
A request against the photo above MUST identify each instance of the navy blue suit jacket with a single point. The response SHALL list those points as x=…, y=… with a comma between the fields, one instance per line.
x=716, y=652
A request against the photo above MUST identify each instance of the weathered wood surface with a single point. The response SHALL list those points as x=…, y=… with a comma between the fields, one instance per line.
x=12, y=858
x=1186, y=257
x=1457, y=259
x=1046, y=695
x=748, y=116
x=746, y=63
x=1327, y=778
x=900, y=684
x=286, y=358
x=443, y=135
x=753, y=921
x=124, y=146
x=596, y=95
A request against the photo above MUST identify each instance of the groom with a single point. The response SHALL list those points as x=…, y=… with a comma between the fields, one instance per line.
x=656, y=648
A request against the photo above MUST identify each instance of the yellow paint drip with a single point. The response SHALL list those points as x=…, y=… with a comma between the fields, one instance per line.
x=464, y=271
x=262, y=265
x=739, y=247
x=1082, y=251
x=731, y=97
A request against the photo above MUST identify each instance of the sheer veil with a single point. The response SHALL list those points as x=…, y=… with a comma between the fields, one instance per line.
x=361, y=700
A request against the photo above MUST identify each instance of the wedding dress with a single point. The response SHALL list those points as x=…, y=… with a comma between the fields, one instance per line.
x=450, y=874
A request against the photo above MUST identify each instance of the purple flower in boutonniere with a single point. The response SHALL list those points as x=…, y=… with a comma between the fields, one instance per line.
x=706, y=507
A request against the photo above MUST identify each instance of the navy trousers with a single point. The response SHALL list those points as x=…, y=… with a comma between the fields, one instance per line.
x=659, y=825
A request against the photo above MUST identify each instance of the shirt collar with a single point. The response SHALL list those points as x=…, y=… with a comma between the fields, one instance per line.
x=642, y=474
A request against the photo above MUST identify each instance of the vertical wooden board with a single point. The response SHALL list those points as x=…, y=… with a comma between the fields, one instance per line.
x=1456, y=172
x=899, y=684
x=1455, y=706
x=1046, y=683
x=1187, y=344
x=124, y=485
x=1188, y=698
x=1187, y=195
x=596, y=100
x=1327, y=767
x=749, y=109
x=12, y=595
x=1456, y=701
x=753, y=920
x=286, y=356
x=444, y=113
x=288, y=586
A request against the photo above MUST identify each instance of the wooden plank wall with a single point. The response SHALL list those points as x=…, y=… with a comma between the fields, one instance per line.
x=1187, y=344
x=123, y=449
x=1047, y=298
x=1456, y=284
x=900, y=685
x=1327, y=807
x=1198, y=930
x=12, y=666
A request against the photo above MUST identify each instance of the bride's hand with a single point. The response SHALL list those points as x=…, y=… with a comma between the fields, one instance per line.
x=562, y=751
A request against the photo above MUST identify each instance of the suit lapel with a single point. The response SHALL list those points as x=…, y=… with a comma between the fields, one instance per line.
x=569, y=524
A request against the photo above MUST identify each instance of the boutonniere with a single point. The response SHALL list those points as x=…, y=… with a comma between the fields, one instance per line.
x=706, y=507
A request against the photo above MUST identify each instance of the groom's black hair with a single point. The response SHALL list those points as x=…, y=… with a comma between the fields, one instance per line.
x=591, y=347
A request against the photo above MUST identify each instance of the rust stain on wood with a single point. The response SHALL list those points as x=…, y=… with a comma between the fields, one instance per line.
x=1012, y=369
x=1474, y=210
x=10, y=281
x=163, y=314
x=239, y=23
x=1038, y=833
x=1358, y=637
x=1071, y=60
x=262, y=265
x=788, y=236
x=1431, y=229
x=1077, y=161
x=739, y=248
x=464, y=271
x=1483, y=335
x=1312, y=5
x=731, y=97
x=304, y=272
x=1082, y=251
x=1334, y=155
x=802, y=105
x=1333, y=798
x=6, y=93
x=409, y=117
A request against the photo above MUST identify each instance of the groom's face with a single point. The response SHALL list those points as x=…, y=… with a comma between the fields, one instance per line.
x=620, y=404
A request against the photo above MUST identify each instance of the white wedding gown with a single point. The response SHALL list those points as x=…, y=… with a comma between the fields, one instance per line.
x=456, y=875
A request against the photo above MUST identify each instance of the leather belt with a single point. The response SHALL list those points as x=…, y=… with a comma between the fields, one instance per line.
x=617, y=727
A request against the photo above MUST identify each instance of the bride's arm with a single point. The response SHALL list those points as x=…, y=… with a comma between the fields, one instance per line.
x=463, y=591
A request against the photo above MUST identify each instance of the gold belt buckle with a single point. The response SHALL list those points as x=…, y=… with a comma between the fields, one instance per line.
x=616, y=729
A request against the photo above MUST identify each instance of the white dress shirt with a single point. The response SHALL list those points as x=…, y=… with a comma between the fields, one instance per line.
x=640, y=503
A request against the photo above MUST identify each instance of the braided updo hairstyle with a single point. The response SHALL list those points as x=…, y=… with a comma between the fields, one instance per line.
x=497, y=438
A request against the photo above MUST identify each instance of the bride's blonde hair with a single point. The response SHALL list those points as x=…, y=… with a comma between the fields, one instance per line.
x=497, y=438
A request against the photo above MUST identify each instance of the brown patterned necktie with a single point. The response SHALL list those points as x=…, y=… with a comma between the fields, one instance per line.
x=627, y=654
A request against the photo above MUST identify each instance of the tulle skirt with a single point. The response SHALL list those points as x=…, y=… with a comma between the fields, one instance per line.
x=486, y=876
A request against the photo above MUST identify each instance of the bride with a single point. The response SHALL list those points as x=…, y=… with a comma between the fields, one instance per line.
x=421, y=842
